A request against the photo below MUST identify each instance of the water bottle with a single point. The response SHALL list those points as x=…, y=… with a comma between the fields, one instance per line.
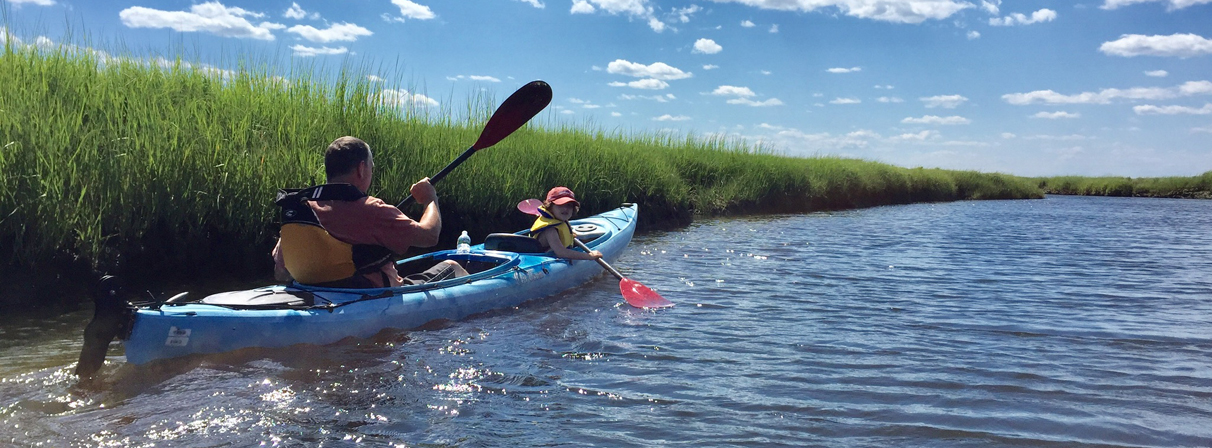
x=464, y=245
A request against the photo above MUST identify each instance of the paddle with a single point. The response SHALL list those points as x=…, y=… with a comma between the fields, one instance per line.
x=634, y=292
x=519, y=108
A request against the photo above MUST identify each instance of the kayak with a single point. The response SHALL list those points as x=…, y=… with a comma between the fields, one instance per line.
x=504, y=272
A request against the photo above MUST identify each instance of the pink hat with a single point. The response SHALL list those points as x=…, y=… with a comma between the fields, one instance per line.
x=561, y=196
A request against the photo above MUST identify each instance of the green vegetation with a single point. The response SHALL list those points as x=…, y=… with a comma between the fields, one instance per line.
x=170, y=171
x=1157, y=187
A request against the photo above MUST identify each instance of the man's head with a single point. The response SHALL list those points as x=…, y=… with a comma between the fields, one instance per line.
x=349, y=160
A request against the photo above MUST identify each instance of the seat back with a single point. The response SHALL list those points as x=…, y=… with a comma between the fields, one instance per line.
x=509, y=242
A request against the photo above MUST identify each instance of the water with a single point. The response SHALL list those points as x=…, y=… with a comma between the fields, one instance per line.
x=1062, y=322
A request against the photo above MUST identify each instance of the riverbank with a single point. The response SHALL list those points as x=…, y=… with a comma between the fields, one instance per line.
x=167, y=172
x=1194, y=187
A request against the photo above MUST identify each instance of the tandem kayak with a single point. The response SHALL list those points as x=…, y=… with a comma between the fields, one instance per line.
x=502, y=274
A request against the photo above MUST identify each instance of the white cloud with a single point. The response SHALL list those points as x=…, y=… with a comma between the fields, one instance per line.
x=747, y=24
x=400, y=97
x=1172, y=110
x=658, y=98
x=885, y=86
x=897, y=11
x=1105, y=96
x=341, y=32
x=710, y=67
x=35, y=2
x=534, y=3
x=373, y=78
x=766, y=72
x=668, y=117
x=774, y=28
x=474, y=78
x=582, y=7
x=1157, y=73
x=657, y=70
x=846, y=101
x=1170, y=4
x=934, y=119
x=1008, y=135
x=743, y=92
x=749, y=102
x=656, y=24
x=1178, y=45
x=305, y=51
x=889, y=99
x=944, y=101
x=1056, y=115
x=1043, y=15
x=974, y=35
x=845, y=70
x=296, y=12
x=991, y=7
x=616, y=114
x=210, y=17
x=706, y=46
x=645, y=84
x=916, y=136
x=411, y=10
x=683, y=15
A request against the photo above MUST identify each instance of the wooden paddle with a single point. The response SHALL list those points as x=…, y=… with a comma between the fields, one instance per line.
x=635, y=293
x=519, y=108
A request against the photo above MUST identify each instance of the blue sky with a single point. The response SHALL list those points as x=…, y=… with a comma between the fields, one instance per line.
x=1100, y=87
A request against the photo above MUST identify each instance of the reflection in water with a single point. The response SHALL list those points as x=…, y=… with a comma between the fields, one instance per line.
x=1062, y=322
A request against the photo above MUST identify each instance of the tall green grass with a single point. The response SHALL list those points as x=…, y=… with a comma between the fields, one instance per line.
x=162, y=169
x=1164, y=187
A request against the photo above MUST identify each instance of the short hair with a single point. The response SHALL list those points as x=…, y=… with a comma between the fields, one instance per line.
x=343, y=156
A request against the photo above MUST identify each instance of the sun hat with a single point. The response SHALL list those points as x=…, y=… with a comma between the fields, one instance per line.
x=561, y=196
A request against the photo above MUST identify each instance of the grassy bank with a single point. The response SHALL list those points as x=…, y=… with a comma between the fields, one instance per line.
x=160, y=170
x=1156, y=187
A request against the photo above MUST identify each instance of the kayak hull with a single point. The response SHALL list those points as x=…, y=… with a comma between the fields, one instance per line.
x=174, y=330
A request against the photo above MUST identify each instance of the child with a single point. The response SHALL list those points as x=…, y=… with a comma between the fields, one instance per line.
x=552, y=230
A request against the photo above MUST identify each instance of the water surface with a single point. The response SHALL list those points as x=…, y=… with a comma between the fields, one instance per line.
x=1069, y=321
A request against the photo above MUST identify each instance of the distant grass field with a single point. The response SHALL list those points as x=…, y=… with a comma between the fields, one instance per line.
x=1158, y=187
x=163, y=170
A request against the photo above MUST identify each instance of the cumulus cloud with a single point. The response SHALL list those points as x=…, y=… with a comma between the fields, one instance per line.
x=1056, y=115
x=400, y=97
x=889, y=99
x=974, y=35
x=411, y=10
x=743, y=92
x=1170, y=4
x=33, y=2
x=845, y=70
x=934, y=119
x=534, y=3
x=1177, y=45
x=710, y=67
x=748, y=24
x=643, y=84
x=944, y=101
x=846, y=101
x=638, y=9
x=684, y=15
x=774, y=28
x=474, y=78
x=744, y=96
x=1106, y=96
x=210, y=17
x=706, y=46
x=1172, y=110
x=668, y=117
x=1043, y=15
x=1157, y=73
x=658, y=98
x=896, y=11
x=750, y=102
x=296, y=12
x=916, y=136
x=340, y=32
x=657, y=70
x=305, y=51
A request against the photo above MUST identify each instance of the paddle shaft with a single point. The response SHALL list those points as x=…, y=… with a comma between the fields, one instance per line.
x=599, y=260
x=437, y=177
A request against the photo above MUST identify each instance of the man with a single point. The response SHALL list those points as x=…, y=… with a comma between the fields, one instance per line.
x=336, y=235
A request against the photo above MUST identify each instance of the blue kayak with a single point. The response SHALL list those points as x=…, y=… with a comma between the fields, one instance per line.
x=501, y=275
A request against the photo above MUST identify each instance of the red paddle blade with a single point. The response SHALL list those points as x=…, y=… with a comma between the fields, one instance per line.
x=530, y=206
x=640, y=296
x=519, y=108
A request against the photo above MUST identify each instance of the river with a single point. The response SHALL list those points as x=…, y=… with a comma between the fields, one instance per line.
x=1068, y=321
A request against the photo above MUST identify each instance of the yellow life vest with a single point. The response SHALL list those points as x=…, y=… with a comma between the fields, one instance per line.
x=546, y=220
x=311, y=254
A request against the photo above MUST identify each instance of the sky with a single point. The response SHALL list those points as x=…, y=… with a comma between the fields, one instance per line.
x=1030, y=88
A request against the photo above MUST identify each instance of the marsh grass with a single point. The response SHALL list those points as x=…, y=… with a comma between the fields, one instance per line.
x=168, y=170
x=1163, y=187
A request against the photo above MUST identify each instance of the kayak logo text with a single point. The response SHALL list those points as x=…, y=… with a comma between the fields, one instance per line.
x=177, y=337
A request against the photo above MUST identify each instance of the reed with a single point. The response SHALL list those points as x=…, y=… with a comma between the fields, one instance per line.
x=169, y=170
x=1159, y=187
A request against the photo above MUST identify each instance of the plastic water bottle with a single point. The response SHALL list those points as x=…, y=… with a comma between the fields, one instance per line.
x=464, y=245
